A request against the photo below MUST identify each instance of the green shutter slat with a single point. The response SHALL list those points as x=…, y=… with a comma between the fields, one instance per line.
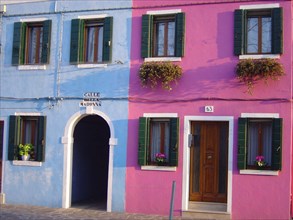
x=277, y=30
x=46, y=41
x=146, y=35
x=13, y=142
x=75, y=41
x=17, y=46
x=180, y=34
x=242, y=139
x=143, y=140
x=107, y=41
x=174, y=137
x=40, y=148
x=277, y=144
x=239, y=32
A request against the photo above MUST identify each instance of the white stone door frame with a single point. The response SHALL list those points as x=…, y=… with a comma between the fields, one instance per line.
x=67, y=140
x=186, y=156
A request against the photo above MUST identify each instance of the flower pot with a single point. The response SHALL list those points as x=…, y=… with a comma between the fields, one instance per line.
x=25, y=157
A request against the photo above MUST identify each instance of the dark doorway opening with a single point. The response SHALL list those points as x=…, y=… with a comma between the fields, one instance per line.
x=90, y=163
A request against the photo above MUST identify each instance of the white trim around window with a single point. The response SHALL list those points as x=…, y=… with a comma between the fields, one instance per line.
x=32, y=67
x=260, y=115
x=162, y=59
x=164, y=12
x=260, y=6
x=160, y=115
x=92, y=16
x=91, y=65
x=259, y=56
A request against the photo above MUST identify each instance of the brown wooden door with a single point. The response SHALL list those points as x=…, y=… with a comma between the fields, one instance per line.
x=209, y=161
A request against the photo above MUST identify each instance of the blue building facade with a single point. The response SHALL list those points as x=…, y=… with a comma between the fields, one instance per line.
x=68, y=99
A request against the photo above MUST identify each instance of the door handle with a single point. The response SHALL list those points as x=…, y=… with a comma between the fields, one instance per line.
x=209, y=157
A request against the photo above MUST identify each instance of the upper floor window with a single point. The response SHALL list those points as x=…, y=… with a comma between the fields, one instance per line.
x=258, y=31
x=163, y=35
x=31, y=43
x=158, y=136
x=27, y=130
x=260, y=140
x=91, y=40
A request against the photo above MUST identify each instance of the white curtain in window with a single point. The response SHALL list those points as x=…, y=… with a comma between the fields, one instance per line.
x=252, y=143
x=156, y=139
x=90, y=43
x=267, y=142
x=100, y=44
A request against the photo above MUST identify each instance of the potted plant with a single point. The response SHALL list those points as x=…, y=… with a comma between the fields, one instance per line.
x=25, y=151
x=249, y=71
x=164, y=73
x=260, y=162
x=160, y=159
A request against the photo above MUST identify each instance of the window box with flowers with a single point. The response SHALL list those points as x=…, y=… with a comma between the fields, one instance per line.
x=249, y=71
x=152, y=74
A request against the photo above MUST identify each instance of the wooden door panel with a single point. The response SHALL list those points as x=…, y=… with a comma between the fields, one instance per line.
x=207, y=176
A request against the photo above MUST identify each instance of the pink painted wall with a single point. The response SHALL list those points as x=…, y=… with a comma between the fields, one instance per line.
x=208, y=67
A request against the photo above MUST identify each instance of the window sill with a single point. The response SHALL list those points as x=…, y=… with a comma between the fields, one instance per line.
x=159, y=168
x=159, y=59
x=260, y=172
x=92, y=65
x=27, y=163
x=32, y=67
x=259, y=56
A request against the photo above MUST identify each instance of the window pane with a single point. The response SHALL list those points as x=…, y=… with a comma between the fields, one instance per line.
x=266, y=35
x=160, y=39
x=35, y=37
x=171, y=38
x=252, y=35
x=90, y=43
x=160, y=137
x=259, y=141
x=100, y=44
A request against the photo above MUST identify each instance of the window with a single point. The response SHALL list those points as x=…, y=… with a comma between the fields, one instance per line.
x=27, y=130
x=259, y=137
x=91, y=40
x=163, y=35
x=158, y=135
x=31, y=43
x=258, y=31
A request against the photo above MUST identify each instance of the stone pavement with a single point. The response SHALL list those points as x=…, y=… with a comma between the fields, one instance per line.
x=20, y=212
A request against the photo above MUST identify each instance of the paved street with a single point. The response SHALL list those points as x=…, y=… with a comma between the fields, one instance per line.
x=12, y=212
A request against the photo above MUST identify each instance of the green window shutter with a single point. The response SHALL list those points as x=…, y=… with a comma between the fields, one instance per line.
x=14, y=137
x=41, y=138
x=18, y=43
x=174, y=139
x=46, y=41
x=242, y=140
x=143, y=140
x=277, y=30
x=76, y=41
x=239, y=21
x=146, y=36
x=277, y=144
x=107, y=41
x=180, y=34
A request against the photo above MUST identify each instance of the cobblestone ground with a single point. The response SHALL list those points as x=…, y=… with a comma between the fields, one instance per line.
x=20, y=212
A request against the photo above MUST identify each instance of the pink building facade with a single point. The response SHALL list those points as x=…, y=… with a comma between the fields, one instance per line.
x=220, y=128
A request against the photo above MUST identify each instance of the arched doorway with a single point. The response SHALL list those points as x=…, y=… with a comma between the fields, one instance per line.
x=90, y=163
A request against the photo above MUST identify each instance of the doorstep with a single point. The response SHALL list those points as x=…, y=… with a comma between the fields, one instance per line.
x=206, y=210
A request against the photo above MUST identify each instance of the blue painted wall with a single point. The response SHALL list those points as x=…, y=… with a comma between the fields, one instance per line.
x=38, y=91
